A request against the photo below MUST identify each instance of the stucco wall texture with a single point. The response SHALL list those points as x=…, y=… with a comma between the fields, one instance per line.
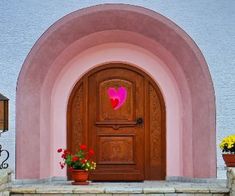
x=210, y=23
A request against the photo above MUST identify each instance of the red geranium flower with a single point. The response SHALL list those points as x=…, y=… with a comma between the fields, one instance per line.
x=66, y=152
x=78, y=160
x=91, y=152
x=74, y=159
x=83, y=147
x=62, y=165
x=83, y=161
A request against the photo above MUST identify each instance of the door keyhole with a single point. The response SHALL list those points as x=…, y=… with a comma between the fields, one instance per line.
x=139, y=121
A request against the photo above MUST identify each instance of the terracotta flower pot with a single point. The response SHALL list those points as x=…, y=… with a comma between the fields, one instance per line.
x=229, y=160
x=80, y=177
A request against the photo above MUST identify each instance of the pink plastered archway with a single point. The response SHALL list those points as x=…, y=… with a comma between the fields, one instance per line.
x=87, y=38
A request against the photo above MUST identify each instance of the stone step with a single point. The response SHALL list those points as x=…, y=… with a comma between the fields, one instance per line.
x=106, y=194
x=121, y=189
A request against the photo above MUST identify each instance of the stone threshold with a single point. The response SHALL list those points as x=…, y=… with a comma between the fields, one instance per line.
x=168, y=179
x=128, y=188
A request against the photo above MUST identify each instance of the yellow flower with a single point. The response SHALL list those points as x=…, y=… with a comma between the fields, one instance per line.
x=228, y=144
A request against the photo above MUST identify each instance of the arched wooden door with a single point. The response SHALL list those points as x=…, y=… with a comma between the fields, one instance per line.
x=119, y=112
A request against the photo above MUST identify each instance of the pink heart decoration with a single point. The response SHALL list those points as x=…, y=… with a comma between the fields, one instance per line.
x=117, y=97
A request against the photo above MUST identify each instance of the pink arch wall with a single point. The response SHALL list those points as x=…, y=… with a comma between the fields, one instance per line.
x=186, y=85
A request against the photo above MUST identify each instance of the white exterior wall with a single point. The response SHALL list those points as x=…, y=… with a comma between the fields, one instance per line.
x=210, y=23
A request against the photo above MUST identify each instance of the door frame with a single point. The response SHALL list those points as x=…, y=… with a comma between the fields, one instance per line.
x=84, y=80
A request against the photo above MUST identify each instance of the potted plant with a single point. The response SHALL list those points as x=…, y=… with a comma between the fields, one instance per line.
x=79, y=163
x=227, y=146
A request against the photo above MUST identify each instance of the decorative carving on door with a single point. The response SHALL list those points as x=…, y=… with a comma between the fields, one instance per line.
x=155, y=127
x=116, y=150
x=77, y=119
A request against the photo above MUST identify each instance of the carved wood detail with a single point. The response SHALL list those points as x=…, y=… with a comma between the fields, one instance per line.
x=116, y=150
x=155, y=127
x=106, y=112
x=77, y=110
x=116, y=124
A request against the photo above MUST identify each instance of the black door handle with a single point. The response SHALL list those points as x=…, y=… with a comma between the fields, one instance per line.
x=139, y=121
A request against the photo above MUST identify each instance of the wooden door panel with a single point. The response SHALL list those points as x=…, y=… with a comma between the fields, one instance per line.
x=113, y=129
x=116, y=149
x=105, y=111
x=156, y=139
x=155, y=167
x=76, y=120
